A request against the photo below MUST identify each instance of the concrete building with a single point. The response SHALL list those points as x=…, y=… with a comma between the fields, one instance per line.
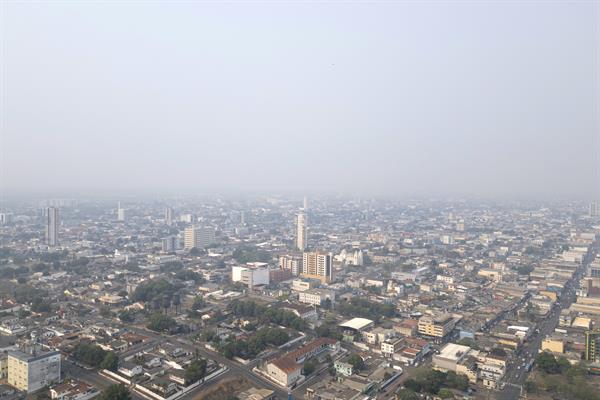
x=170, y=244
x=474, y=364
x=318, y=265
x=457, y=358
x=301, y=285
x=31, y=372
x=6, y=218
x=554, y=345
x=594, y=209
x=73, y=390
x=356, y=325
x=251, y=275
x=292, y=263
x=343, y=368
x=391, y=346
x=169, y=216
x=120, y=213
x=316, y=297
x=187, y=218
x=592, y=345
x=198, y=237
x=52, y=226
x=301, y=231
x=286, y=370
x=436, y=326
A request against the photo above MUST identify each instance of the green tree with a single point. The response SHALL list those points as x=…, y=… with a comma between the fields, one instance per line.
x=195, y=371
x=115, y=392
x=547, y=362
x=498, y=351
x=467, y=341
x=530, y=387
x=127, y=315
x=161, y=323
x=105, y=312
x=89, y=354
x=309, y=367
x=248, y=254
x=446, y=394
x=40, y=306
x=413, y=385
x=356, y=361
x=525, y=269
x=154, y=289
x=110, y=362
x=407, y=394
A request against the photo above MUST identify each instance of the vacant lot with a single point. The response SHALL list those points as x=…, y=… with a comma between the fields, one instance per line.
x=223, y=389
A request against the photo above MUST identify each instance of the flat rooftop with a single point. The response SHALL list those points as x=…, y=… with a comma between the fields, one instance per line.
x=357, y=323
x=453, y=351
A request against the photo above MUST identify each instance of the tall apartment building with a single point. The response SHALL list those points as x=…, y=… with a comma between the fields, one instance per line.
x=318, y=265
x=592, y=345
x=169, y=215
x=120, y=213
x=292, y=263
x=593, y=270
x=31, y=372
x=51, y=226
x=187, y=218
x=170, y=244
x=301, y=231
x=198, y=237
x=5, y=218
x=594, y=209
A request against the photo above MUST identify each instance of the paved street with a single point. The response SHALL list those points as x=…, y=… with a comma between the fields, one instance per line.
x=516, y=373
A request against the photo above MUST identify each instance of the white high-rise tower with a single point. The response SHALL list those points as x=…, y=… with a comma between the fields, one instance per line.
x=169, y=215
x=301, y=231
x=120, y=213
x=51, y=226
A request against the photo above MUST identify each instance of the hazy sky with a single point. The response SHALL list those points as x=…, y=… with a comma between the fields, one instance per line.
x=470, y=98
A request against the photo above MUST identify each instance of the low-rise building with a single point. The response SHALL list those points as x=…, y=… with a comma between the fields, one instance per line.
x=316, y=297
x=286, y=370
x=73, y=390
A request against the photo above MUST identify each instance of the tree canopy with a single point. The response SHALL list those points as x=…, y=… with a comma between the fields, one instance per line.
x=161, y=323
x=95, y=356
x=154, y=289
x=195, y=371
x=361, y=307
x=241, y=308
x=115, y=392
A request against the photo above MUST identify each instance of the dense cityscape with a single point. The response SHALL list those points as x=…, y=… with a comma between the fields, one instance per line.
x=299, y=200
x=287, y=298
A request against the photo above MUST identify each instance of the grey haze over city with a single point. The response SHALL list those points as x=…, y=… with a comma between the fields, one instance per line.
x=391, y=98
